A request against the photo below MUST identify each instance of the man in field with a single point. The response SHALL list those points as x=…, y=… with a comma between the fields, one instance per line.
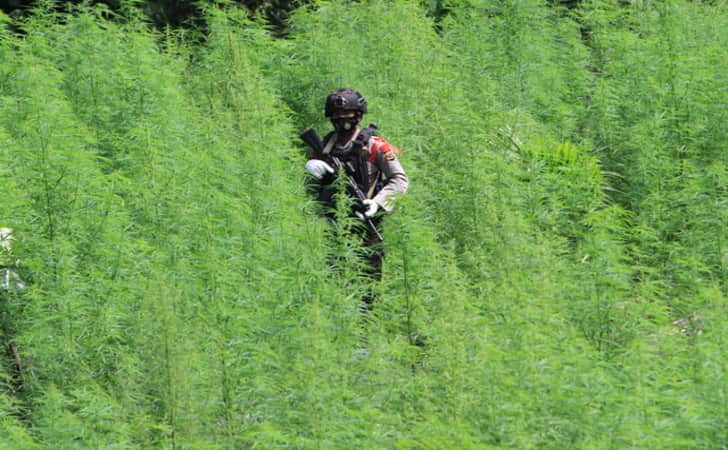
x=370, y=161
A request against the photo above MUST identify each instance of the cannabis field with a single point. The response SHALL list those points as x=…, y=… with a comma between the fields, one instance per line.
x=556, y=276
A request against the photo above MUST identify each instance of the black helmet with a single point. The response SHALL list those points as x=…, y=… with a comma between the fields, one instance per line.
x=345, y=100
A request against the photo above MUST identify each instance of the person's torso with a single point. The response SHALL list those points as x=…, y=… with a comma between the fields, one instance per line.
x=356, y=155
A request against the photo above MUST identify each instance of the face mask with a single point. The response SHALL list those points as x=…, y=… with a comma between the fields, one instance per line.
x=345, y=124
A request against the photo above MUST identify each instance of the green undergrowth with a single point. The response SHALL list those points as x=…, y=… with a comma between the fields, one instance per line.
x=554, y=278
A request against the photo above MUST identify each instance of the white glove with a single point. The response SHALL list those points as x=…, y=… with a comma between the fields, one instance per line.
x=318, y=168
x=371, y=206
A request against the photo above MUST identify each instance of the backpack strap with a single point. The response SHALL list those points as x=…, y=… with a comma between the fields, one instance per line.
x=330, y=140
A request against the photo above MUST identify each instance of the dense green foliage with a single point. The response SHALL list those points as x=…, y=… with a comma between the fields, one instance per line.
x=557, y=276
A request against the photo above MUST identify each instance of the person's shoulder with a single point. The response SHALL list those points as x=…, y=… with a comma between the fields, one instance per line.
x=381, y=146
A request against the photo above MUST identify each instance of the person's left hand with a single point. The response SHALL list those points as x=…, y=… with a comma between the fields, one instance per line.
x=371, y=207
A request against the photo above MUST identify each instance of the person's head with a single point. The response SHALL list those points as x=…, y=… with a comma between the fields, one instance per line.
x=345, y=108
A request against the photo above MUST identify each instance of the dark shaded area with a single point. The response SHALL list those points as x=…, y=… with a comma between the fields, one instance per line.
x=275, y=11
x=570, y=4
x=14, y=7
x=189, y=13
x=174, y=13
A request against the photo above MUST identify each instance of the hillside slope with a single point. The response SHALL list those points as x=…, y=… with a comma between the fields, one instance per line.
x=561, y=252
